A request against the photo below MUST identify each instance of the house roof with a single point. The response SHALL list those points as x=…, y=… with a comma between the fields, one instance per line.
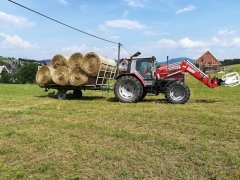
x=2, y=68
x=207, y=57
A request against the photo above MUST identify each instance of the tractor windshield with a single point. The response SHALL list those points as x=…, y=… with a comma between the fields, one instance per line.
x=143, y=67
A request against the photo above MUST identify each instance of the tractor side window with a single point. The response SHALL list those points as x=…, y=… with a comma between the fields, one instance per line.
x=143, y=67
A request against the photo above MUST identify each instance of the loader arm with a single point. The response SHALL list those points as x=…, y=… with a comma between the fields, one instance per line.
x=231, y=79
x=187, y=66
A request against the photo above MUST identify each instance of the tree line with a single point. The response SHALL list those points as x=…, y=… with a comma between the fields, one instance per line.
x=228, y=62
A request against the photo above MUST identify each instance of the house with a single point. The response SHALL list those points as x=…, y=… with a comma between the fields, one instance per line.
x=3, y=69
x=208, y=63
x=13, y=67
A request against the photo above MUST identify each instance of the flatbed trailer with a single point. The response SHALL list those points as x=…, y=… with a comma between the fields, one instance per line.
x=104, y=81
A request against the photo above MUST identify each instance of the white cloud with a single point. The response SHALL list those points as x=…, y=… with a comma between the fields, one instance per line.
x=215, y=40
x=72, y=49
x=236, y=42
x=226, y=32
x=167, y=43
x=123, y=24
x=136, y=3
x=186, y=9
x=64, y=2
x=185, y=43
x=11, y=20
x=188, y=43
x=8, y=41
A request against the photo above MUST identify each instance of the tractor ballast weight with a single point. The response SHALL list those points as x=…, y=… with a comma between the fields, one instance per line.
x=139, y=76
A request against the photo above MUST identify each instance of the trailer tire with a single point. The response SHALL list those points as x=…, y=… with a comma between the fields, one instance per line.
x=128, y=89
x=177, y=93
x=62, y=95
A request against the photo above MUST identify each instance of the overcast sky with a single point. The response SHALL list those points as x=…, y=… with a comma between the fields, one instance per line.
x=177, y=28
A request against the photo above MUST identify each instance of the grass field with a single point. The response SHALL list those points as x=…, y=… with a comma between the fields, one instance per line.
x=97, y=137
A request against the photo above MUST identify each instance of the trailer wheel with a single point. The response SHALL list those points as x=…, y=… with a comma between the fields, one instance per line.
x=77, y=94
x=62, y=95
x=177, y=93
x=128, y=89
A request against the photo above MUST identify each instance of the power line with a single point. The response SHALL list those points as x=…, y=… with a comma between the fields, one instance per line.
x=125, y=49
x=62, y=23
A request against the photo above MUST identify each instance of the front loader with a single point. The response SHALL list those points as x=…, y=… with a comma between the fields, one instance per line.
x=139, y=76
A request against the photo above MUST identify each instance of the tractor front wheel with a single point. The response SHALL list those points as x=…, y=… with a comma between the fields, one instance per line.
x=177, y=93
x=128, y=89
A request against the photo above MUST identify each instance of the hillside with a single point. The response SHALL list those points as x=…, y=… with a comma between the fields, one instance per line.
x=233, y=68
x=21, y=61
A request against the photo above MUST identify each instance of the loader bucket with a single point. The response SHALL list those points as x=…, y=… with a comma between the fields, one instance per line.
x=231, y=79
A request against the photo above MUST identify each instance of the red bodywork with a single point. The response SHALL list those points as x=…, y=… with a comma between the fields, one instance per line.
x=176, y=70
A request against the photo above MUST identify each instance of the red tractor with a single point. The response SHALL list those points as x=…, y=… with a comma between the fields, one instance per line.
x=139, y=76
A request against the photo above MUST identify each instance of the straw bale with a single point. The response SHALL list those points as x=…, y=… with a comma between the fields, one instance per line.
x=58, y=61
x=77, y=77
x=44, y=75
x=91, y=63
x=74, y=60
x=61, y=75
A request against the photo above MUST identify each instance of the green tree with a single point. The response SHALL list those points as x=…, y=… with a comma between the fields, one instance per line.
x=27, y=73
x=2, y=62
x=6, y=78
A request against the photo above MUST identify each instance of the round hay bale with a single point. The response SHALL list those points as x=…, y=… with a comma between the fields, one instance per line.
x=44, y=75
x=91, y=63
x=74, y=60
x=77, y=77
x=61, y=75
x=58, y=61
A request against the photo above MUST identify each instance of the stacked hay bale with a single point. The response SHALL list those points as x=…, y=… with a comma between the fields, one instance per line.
x=77, y=70
x=44, y=75
x=61, y=72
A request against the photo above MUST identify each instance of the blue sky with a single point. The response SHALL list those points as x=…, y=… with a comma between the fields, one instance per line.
x=160, y=28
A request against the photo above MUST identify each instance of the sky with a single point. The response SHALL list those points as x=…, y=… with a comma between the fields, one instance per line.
x=160, y=28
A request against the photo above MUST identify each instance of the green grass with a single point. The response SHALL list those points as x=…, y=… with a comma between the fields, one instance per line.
x=96, y=137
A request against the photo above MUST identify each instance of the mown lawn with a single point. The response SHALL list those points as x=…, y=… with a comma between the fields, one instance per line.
x=97, y=137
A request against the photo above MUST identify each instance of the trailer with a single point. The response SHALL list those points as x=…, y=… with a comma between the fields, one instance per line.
x=104, y=81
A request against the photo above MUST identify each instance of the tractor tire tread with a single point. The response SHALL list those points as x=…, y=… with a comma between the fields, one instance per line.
x=138, y=92
x=177, y=84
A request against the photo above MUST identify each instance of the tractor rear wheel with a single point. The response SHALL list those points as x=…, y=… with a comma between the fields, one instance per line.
x=177, y=93
x=144, y=93
x=128, y=89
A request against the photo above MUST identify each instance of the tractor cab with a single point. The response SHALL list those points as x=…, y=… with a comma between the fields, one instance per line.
x=142, y=68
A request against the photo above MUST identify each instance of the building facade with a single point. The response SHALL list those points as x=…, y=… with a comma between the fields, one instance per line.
x=208, y=63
